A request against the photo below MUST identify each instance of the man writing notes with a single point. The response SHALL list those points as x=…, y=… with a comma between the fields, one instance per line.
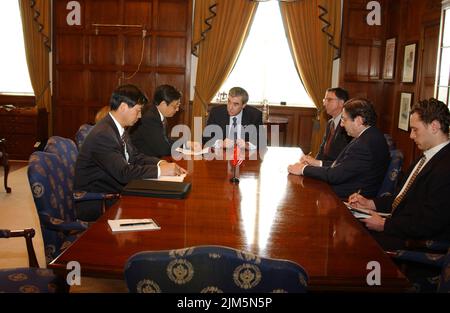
x=335, y=138
x=108, y=160
x=236, y=120
x=420, y=210
x=362, y=164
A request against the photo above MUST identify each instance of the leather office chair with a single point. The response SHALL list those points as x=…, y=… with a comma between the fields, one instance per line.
x=81, y=134
x=427, y=254
x=211, y=269
x=390, y=181
x=29, y=279
x=5, y=163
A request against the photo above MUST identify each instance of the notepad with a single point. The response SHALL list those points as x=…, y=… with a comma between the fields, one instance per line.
x=124, y=225
x=179, y=178
x=363, y=213
x=191, y=152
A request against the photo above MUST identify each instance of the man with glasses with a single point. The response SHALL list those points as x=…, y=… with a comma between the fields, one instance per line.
x=362, y=164
x=108, y=160
x=335, y=138
x=150, y=134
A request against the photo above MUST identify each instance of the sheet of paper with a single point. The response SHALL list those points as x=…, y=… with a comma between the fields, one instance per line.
x=191, y=152
x=122, y=225
x=170, y=178
x=364, y=212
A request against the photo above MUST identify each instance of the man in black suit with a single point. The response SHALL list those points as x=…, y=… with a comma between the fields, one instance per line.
x=149, y=135
x=234, y=119
x=108, y=160
x=420, y=210
x=362, y=164
x=335, y=138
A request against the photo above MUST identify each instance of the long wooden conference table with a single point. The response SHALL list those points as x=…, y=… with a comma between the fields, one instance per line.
x=269, y=213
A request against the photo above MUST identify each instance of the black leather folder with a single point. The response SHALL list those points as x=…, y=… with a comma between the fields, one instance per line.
x=157, y=189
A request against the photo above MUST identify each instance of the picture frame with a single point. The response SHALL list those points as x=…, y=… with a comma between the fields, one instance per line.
x=409, y=61
x=405, y=108
x=389, y=59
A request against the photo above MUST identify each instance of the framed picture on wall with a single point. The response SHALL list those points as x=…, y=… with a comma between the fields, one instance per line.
x=405, y=107
x=389, y=59
x=409, y=59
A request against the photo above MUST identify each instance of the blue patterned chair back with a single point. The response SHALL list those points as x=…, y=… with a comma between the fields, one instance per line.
x=82, y=133
x=390, y=142
x=444, y=280
x=390, y=181
x=66, y=150
x=211, y=269
x=51, y=186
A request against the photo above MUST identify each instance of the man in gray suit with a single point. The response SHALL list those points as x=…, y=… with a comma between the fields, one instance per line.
x=108, y=160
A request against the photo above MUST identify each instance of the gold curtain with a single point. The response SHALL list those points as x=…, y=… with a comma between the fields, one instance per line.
x=36, y=32
x=313, y=30
x=220, y=29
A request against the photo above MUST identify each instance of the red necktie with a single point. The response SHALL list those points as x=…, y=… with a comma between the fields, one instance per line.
x=331, y=132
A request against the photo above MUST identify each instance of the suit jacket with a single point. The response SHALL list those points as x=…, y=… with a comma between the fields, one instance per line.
x=360, y=166
x=148, y=134
x=101, y=165
x=250, y=116
x=424, y=212
x=338, y=143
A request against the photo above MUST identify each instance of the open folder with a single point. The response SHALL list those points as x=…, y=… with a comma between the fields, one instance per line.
x=157, y=189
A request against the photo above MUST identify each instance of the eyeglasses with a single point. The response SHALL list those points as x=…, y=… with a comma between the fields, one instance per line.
x=329, y=99
x=175, y=105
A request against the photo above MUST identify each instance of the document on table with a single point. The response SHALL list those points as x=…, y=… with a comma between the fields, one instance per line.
x=138, y=224
x=363, y=213
x=170, y=178
x=191, y=152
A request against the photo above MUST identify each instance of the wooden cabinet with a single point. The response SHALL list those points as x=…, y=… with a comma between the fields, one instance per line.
x=22, y=127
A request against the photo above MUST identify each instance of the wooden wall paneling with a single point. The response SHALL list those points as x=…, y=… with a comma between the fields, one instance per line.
x=90, y=61
x=138, y=13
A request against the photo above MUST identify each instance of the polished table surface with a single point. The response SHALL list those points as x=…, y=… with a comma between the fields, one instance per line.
x=269, y=213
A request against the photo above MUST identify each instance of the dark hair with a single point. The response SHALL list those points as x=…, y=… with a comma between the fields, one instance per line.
x=361, y=107
x=166, y=93
x=239, y=92
x=433, y=110
x=130, y=94
x=340, y=93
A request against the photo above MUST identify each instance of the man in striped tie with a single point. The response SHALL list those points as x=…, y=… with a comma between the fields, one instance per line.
x=420, y=210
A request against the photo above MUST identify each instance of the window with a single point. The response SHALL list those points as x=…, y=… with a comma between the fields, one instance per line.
x=443, y=73
x=14, y=76
x=265, y=67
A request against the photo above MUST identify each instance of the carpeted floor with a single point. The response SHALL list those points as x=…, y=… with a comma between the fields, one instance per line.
x=17, y=211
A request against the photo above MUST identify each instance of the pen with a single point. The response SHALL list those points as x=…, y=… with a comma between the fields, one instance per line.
x=359, y=191
x=136, y=224
x=310, y=153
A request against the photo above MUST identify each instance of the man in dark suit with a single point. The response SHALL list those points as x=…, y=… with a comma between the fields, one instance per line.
x=108, y=160
x=234, y=119
x=420, y=210
x=149, y=134
x=362, y=164
x=335, y=138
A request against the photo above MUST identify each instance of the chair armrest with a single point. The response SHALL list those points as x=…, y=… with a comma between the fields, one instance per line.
x=28, y=234
x=72, y=227
x=88, y=196
x=432, y=245
x=432, y=259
